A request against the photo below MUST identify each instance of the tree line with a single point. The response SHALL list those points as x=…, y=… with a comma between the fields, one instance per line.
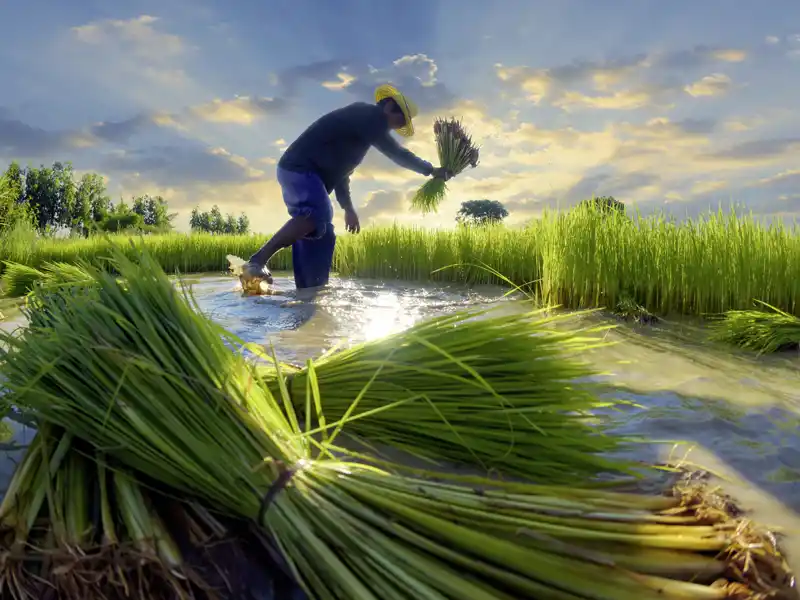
x=50, y=199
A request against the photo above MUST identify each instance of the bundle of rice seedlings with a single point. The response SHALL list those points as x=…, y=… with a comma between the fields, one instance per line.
x=140, y=374
x=766, y=331
x=501, y=393
x=19, y=280
x=456, y=152
x=73, y=528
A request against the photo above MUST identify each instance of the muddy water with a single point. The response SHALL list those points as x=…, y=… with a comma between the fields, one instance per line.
x=727, y=411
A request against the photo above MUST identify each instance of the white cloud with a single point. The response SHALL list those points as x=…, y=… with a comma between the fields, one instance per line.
x=418, y=66
x=772, y=40
x=343, y=81
x=138, y=35
x=242, y=110
x=619, y=100
x=730, y=55
x=711, y=85
x=704, y=187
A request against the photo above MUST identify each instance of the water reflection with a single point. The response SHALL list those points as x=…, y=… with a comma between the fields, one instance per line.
x=348, y=311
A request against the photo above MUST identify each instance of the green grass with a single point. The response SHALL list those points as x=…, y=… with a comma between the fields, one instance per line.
x=582, y=258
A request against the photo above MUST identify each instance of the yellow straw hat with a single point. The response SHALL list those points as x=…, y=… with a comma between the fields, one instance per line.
x=408, y=107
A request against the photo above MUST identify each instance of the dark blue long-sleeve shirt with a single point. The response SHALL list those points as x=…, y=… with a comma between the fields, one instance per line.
x=336, y=143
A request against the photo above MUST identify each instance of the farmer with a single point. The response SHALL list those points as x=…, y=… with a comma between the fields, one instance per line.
x=320, y=161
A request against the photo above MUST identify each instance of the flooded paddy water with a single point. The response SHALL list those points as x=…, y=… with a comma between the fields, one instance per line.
x=739, y=415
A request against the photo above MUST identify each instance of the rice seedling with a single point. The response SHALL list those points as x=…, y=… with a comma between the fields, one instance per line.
x=456, y=152
x=765, y=331
x=502, y=393
x=73, y=527
x=137, y=372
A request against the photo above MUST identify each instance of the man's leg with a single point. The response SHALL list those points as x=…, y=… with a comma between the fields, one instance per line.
x=312, y=260
x=295, y=229
x=303, y=194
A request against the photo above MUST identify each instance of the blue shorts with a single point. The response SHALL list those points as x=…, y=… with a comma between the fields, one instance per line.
x=312, y=257
x=305, y=196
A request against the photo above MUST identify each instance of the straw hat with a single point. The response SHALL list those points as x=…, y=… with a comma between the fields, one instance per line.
x=408, y=107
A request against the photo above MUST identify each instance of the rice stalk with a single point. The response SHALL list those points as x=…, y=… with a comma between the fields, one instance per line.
x=138, y=373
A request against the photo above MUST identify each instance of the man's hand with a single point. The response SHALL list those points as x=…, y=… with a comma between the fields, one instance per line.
x=351, y=223
x=441, y=173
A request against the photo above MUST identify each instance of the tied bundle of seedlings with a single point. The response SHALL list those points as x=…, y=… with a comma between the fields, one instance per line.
x=19, y=280
x=499, y=393
x=765, y=331
x=139, y=373
x=73, y=528
x=60, y=536
x=456, y=152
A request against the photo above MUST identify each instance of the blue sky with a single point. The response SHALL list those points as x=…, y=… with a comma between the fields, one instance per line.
x=674, y=106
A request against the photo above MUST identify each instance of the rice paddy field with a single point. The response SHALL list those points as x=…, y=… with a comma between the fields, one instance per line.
x=577, y=259
x=704, y=404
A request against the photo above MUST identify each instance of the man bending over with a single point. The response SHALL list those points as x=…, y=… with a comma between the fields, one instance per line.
x=321, y=161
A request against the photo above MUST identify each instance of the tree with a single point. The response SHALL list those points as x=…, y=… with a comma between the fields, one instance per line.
x=242, y=224
x=481, y=212
x=92, y=204
x=51, y=200
x=154, y=211
x=213, y=221
x=41, y=196
x=122, y=218
x=605, y=204
x=13, y=209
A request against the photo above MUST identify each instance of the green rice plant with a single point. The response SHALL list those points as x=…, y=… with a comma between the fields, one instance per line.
x=137, y=372
x=501, y=393
x=456, y=152
x=187, y=253
x=583, y=258
x=765, y=331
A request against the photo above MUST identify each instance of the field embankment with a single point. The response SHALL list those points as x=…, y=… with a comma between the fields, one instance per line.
x=581, y=258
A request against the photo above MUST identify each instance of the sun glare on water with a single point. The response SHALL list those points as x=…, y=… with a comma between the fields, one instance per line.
x=386, y=314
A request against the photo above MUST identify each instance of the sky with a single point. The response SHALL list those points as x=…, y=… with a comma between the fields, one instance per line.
x=668, y=106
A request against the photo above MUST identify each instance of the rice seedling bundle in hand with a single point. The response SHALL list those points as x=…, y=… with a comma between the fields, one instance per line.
x=456, y=152
x=496, y=392
x=765, y=331
x=138, y=373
